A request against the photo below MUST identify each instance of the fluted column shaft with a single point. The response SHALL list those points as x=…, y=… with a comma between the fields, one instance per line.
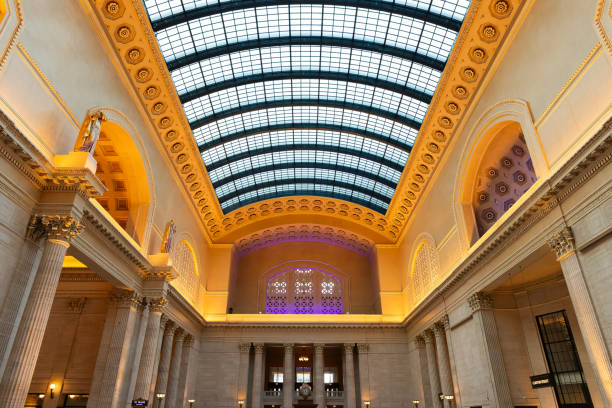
x=319, y=380
x=446, y=380
x=139, y=335
x=175, y=366
x=243, y=374
x=28, y=339
x=184, y=372
x=349, y=377
x=149, y=350
x=16, y=297
x=160, y=339
x=562, y=244
x=432, y=366
x=258, y=383
x=288, y=376
x=364, y=372
x=419, y=342
x=482, y=313
x=163, y=369
x=116, y=368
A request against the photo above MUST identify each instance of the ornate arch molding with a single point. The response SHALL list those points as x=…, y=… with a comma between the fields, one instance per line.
x=304, y=232
x=147, y=194
x=420, y=241
x=479, y=139
x=305, y=263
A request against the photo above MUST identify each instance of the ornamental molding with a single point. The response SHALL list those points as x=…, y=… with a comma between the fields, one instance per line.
x=11, y=29
x=126, y=26
x=304, y=232
x=299, y=326
x=587, y=162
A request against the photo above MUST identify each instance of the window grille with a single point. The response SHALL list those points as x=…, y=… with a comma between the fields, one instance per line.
x=187, y=280
x=425, y=274
x=563, y=361
x=304, y=291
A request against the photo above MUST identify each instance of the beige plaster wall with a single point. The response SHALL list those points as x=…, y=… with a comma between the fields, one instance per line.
x=356, y=267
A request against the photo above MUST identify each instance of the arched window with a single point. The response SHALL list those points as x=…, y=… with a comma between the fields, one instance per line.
x=504, y=175
x=425, y=270
x=187, y=280
x=304, y=291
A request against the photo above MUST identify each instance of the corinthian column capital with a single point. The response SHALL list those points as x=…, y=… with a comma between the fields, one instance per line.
x=562, y=243
x=363, y=348
x=438, y=329
x=419, y=342
x=60, y=228
x=244, y=347
x=480, y=301
x=259, y=348
x=125, y=298
x=157, y=305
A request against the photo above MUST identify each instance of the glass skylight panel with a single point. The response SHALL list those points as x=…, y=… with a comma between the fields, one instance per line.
x=236, y=60
x=403, y=32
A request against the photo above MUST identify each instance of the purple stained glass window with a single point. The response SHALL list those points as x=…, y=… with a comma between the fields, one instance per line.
x=304, y=291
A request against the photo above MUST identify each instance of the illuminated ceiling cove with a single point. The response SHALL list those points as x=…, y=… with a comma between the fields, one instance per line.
x=321, y=98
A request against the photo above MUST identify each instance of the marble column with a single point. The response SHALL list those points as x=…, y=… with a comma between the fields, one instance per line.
x=59, y=230
x=116, y=370
x=563, y=245
x=349, y=377
x=163, y=322
x=161, y=386
x=243, y=373
x=19, y=288
x=453, y=370
x=175, y=366
x=432, y=366
x=258, y=378
x=482, y=313
x=364, y=372
x=318, y=378
x=184, y=372
x=134, y=362
x=288, y=376
x=446, y=382
x=419, y=342
x=149, y=350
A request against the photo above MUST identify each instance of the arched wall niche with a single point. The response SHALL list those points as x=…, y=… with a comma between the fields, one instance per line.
x=424, y=271
x=185, y=262
x=310, y=287
x=487, y=184
x=124, y=168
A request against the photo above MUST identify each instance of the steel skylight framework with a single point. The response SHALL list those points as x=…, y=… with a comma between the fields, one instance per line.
x=303, y=97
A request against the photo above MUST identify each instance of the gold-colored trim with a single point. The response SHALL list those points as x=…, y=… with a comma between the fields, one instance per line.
x=484, y=29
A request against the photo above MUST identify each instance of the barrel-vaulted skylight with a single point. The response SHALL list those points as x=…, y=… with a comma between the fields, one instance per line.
x=300, y=97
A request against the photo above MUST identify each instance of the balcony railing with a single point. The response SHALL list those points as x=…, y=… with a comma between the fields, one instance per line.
x=334, y=395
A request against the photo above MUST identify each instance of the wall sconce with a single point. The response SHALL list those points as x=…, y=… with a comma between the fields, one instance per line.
x=366, y=404
x=303, y=358
x=51, y=390
x=416, y=403
x=449, y=397
x=240, y=403
x=191, y=401
x=41, y=396
x=160, y=397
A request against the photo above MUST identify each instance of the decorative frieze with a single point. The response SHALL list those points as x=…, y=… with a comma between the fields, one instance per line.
x=480, y=301
x=562, y=243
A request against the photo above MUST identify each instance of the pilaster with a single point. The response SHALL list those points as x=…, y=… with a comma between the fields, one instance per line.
x=363, y=350
x=318, y=379
x=163, y=371
x=446, y=381
x=175, y=366
x=243, y=373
